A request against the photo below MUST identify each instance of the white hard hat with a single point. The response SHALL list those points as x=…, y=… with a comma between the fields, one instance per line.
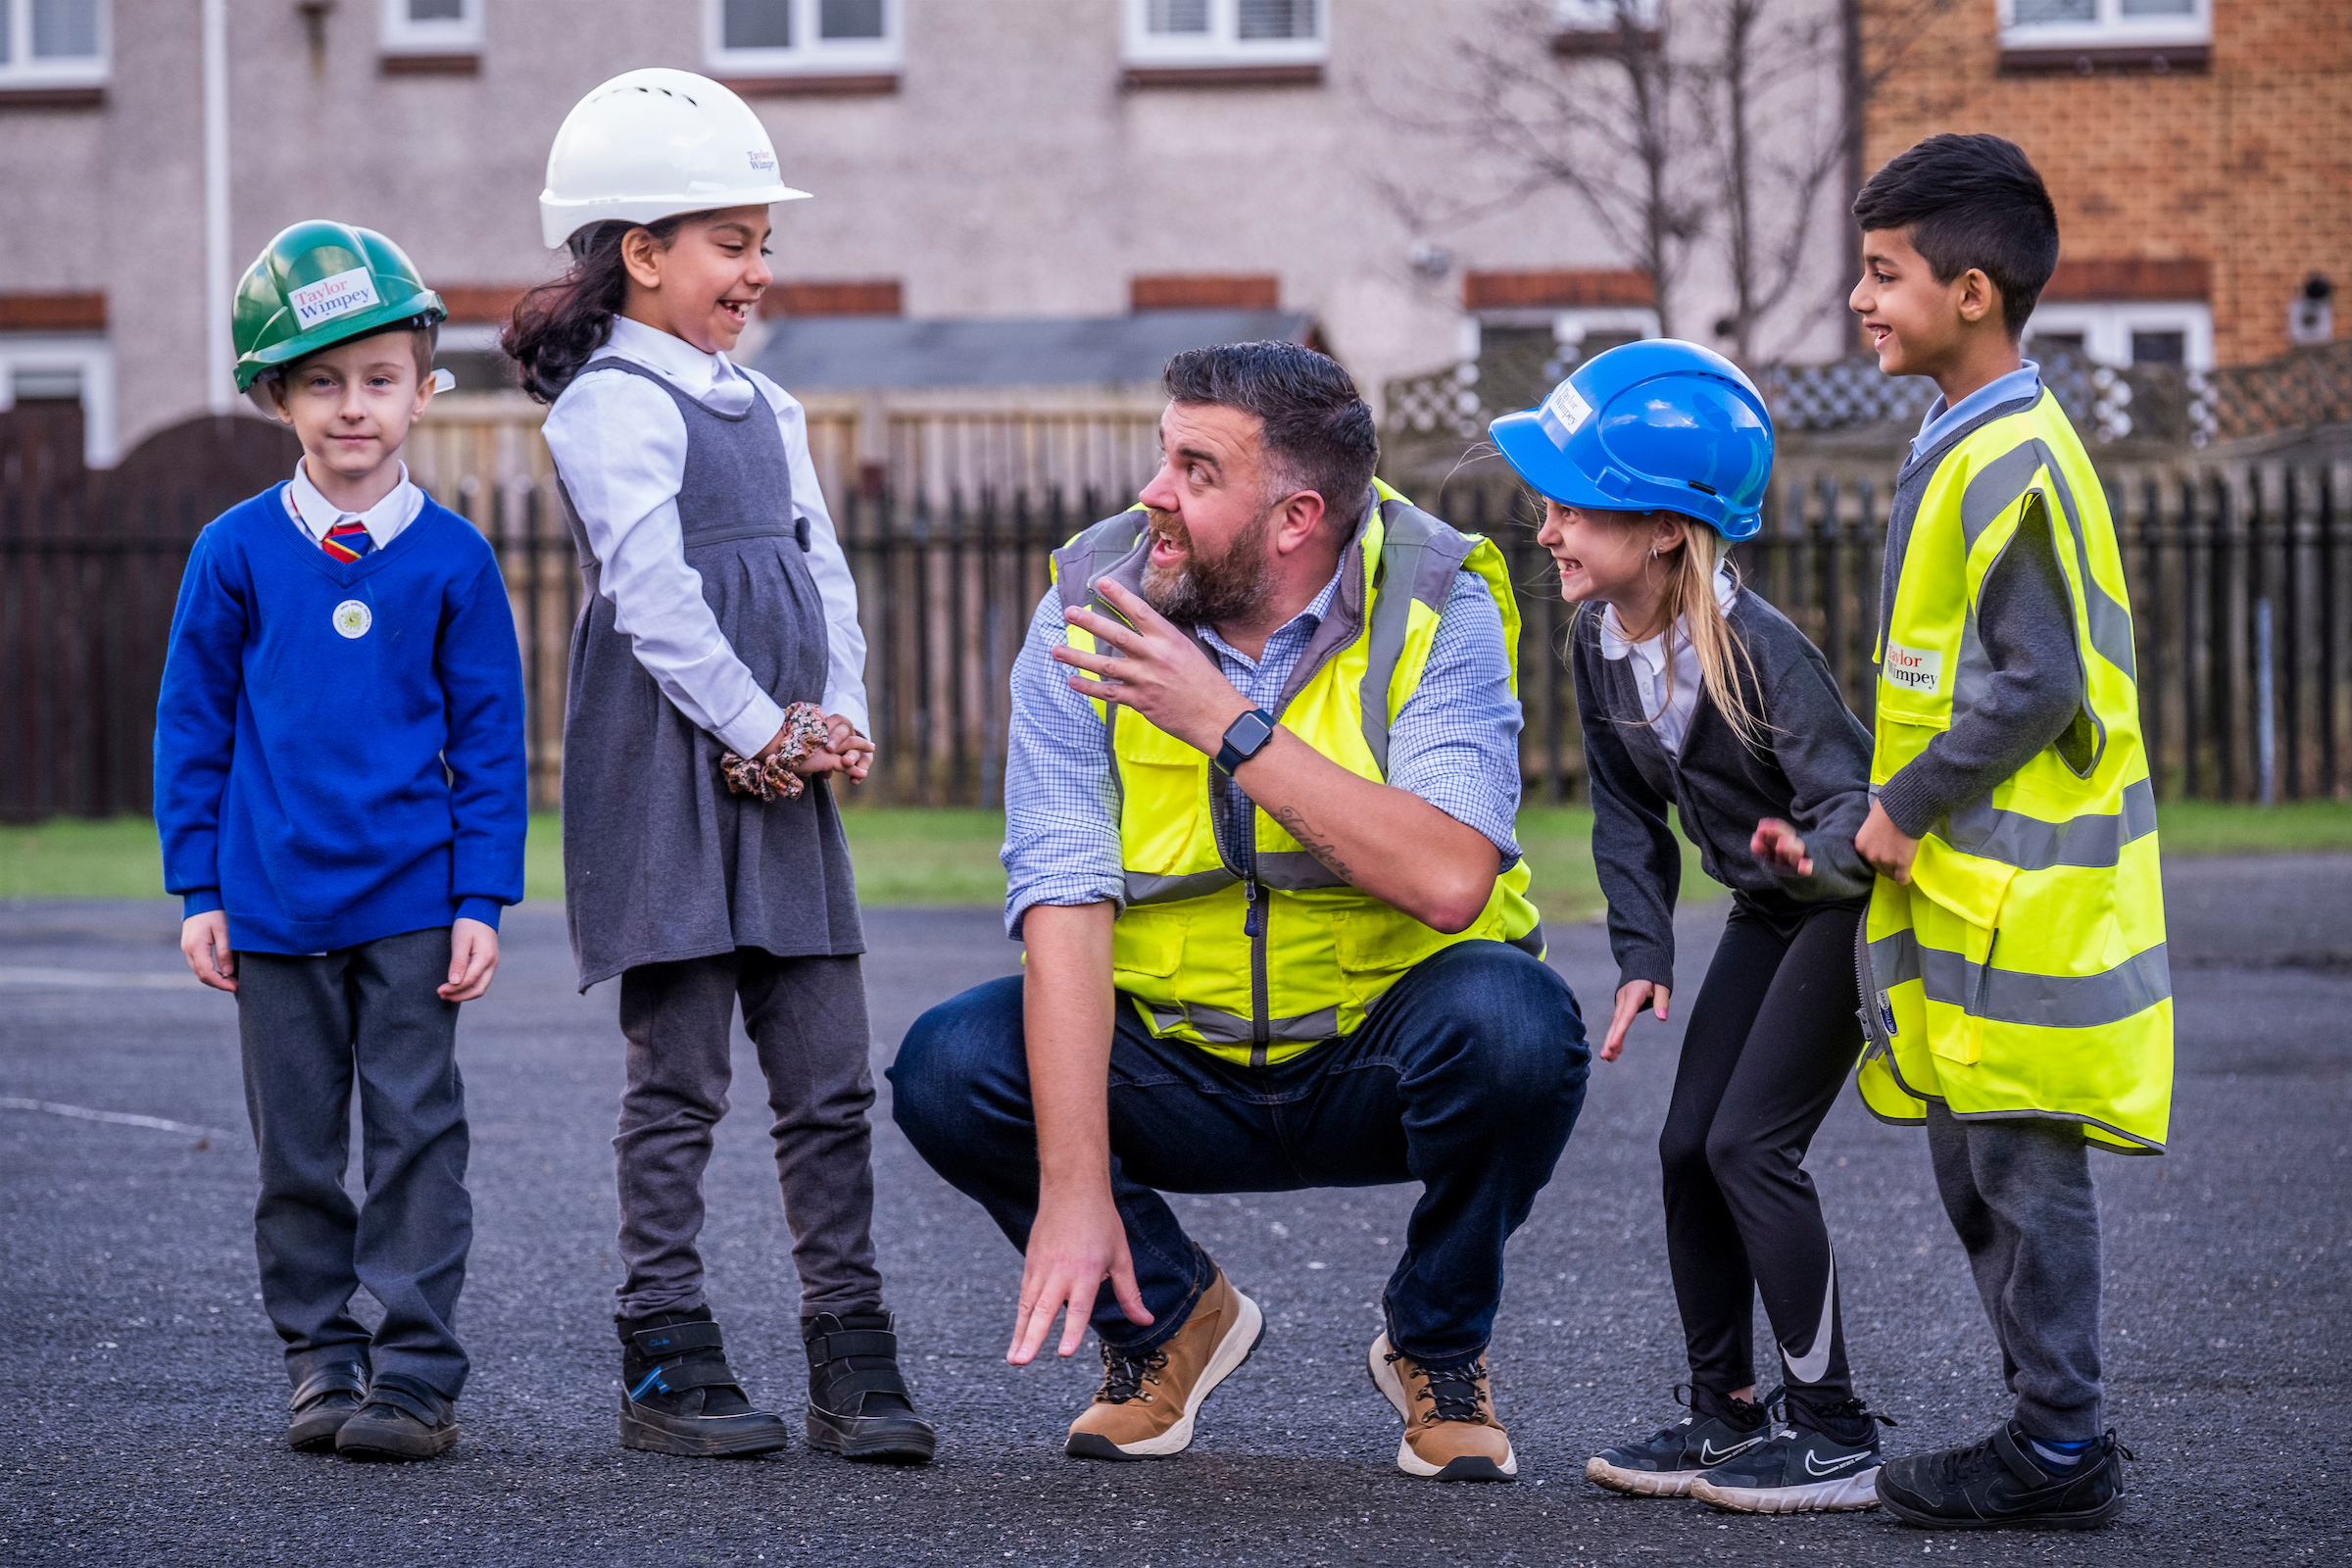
x=653, y=143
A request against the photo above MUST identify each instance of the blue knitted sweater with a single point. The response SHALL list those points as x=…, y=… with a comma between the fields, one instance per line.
x=339, y=746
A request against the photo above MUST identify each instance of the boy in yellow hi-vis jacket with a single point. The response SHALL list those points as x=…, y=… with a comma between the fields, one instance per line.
x=2013, y=961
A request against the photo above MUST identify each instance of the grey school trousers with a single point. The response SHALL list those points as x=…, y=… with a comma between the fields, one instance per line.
x=806, y=1019
x=311, y=1027
x=2018, y=1192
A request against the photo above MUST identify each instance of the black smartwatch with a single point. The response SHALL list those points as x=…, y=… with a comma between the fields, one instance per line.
x=1245, y=738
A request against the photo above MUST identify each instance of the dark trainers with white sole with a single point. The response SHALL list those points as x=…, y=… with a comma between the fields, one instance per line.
x=1823, y=1460
x=1717, y=1428
x=2001, y=1484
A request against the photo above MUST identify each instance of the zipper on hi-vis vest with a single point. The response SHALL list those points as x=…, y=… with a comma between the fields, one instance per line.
x=1253, y=924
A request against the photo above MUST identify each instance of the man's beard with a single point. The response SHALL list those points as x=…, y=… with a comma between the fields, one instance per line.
x=1233, y=587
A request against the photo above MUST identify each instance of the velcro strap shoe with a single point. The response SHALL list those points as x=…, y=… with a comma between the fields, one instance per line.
x=322, y=1402
x=2001, y=1484
x=679, y=1395
x=401, y=1420
x=858, y=1405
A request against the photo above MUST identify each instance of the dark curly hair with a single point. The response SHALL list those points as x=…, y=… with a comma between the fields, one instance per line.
x=558, y=325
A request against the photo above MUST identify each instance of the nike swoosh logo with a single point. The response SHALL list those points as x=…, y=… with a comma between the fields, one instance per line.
x=1810, y=1367
x=1708, y=1457
x=1834, y=1465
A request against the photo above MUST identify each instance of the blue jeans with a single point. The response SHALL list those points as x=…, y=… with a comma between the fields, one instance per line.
x=1466, y=1076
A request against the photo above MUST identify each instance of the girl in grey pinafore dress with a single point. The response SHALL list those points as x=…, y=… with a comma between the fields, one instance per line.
x=696, y=898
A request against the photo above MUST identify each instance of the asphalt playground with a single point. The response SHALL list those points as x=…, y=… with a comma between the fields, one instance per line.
x=144, y=1399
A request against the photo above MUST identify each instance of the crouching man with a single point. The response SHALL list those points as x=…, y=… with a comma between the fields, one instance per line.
x=1263, y=771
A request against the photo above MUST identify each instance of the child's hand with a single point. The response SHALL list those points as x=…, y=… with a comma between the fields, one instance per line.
x=204, y=943
x=473, y=961
x=1777, y=844
x=1885, y=846
x=846, y=752
x=1632, y=998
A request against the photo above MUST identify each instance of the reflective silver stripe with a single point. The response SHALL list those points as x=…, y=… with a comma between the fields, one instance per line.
x=1220, y=1028
x=1419, y=555
x=1145, y=888
x=2110, y=621
x=2030, y=844
x=1996, y=488
x=2010, y=996
x=1294, y=869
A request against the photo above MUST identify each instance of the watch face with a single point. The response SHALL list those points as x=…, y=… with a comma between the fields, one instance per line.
x=1248, y=732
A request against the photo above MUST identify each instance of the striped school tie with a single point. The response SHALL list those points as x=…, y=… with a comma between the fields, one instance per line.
x=347, y=541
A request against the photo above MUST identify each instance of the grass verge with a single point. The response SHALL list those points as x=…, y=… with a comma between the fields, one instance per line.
x=949, y=856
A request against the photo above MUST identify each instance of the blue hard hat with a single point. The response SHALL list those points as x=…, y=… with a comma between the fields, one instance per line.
x=1657, y=424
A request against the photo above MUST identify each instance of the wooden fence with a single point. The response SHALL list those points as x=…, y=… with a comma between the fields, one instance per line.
x=2240, y=574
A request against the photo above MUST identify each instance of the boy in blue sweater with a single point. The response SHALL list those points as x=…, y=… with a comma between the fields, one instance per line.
x=341, y=789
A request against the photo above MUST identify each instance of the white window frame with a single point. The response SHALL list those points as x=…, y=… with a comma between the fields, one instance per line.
x=1571, y=328
x=2112, y=29
x=401, y=35
x=1222, y=44
x=2107, y=326
x=90, y=356
x=812, y=55
x=21, y=69
x=1601, y=16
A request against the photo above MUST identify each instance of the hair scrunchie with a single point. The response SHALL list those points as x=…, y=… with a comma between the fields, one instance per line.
x=771, y=777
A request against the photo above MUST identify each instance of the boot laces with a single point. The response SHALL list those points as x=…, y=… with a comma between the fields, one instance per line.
x=1452, y=1392
x=1124, y=1375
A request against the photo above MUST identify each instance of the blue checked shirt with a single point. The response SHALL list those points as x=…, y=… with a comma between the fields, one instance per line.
x=1456, y=744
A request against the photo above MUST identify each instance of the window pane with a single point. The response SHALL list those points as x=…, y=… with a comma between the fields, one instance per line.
x=436, y=9
x=1176, y=15
x=2033, y=13
x=2160, y=8
x=848, y=18
x=757, y=24
x=2159, y=348
x=2058, y=343
x=1278, y=19
x=65, y=29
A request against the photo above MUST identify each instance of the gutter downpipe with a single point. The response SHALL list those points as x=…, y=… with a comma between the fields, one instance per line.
x=219, y=359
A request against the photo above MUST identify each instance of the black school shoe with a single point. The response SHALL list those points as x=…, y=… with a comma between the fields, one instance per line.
x=1997, y=1483
x=401, y=1420
x=321, y=1403
x=858, y=1405
x=1823, y=1460
x=678, y=1394
x=1717, y=1428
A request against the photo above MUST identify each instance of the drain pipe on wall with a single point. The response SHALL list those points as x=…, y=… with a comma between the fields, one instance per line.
x=219, y=356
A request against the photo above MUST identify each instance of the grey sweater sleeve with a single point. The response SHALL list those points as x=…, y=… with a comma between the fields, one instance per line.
x=1635, y=856
x=1824, y=751
x=2026, y=622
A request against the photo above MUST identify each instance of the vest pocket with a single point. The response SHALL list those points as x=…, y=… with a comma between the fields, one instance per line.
x=1150, y=945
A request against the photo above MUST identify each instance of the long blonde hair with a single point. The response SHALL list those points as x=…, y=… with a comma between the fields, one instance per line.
x=1690, y=604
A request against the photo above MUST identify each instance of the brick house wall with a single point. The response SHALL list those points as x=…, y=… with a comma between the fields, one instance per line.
x=2239, y=165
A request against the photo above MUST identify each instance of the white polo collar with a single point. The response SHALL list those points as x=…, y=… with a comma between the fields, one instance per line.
x=1614, y=644
x=710, y=378
x=384, y=521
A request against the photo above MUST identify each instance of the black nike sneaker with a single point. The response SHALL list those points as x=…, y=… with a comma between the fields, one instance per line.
x=1825, y=1460
x=2000, y=1484
x=1717, y=1428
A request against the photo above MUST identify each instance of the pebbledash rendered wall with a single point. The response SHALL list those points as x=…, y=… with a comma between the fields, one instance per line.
x=1008, y=169
x=2240, y=165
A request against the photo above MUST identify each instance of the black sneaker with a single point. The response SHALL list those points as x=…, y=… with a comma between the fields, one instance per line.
x=1717, y=1428
x=321, y=1403
x=678, y=1394
x=1822, y=1461
x=858, y=1405
x=403, y=1419
x=2000, y=1484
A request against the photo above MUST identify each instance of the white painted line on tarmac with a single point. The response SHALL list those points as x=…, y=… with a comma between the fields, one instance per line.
x=119, y=1118
x=99, y=979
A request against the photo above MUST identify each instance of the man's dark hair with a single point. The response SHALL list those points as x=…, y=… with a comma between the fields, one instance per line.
x=1318, y=432
x=1971, y=201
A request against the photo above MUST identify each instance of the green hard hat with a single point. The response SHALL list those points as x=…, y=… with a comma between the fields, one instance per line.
x=320, y=283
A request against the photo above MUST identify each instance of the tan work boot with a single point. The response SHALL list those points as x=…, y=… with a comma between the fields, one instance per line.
x=1145, y=1408
x=1451, y=1433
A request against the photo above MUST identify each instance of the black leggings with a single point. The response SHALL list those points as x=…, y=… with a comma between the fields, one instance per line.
x=1767, y=1045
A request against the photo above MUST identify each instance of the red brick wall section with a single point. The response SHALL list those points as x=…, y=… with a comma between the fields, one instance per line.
x=52, y=312
x=481, y=304
x=2243, y=166
x=2131, y=278
x=867, y=297
x=1583, y=288
x=1205, y=291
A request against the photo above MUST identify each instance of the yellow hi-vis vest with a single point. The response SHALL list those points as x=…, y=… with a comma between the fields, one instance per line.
x=1255, y=950
x=2023, y=972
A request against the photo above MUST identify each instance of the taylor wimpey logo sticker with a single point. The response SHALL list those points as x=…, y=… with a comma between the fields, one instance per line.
x=330, y=297
x=1563, y=412
x=762, y=162
x=1915, y=670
